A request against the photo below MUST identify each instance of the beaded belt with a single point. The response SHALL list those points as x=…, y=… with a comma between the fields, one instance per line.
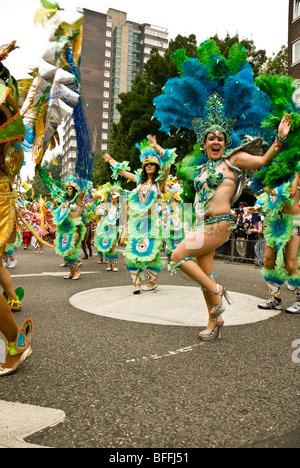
x=218, y=219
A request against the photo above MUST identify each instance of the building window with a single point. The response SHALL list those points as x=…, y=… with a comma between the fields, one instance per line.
x=109, y=24
x=106, y=94
x=108, y=33
x=105, y=105
x=105, y=115
x=105, y=125
x=106, y=73
x=106, y=84
x=107, y=43
x=108, y=53
x=104, y=147
x=104, y=136
x=107, y=63
x=296, y=53
x=296, y=9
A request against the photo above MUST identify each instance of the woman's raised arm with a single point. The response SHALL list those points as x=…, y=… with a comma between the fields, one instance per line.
x=117, y=167
x=245, y=161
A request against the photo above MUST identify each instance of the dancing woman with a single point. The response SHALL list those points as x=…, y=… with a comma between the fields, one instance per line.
x=70, y=227
x=144, y=237
x=107, y=231
x=217, y=98
x=218, y=177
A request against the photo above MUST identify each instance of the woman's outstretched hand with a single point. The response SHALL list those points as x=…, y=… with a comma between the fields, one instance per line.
x=285, y=126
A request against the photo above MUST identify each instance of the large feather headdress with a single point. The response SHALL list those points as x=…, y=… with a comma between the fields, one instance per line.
x=213, y=93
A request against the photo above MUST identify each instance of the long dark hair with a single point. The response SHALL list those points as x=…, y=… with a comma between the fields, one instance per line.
x=145, y=175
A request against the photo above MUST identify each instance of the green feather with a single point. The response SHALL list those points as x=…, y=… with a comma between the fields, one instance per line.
x=237, y=57
x=179, y=57
x=206, y=50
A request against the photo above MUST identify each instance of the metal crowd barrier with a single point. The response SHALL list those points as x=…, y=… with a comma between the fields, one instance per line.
x=238, y=249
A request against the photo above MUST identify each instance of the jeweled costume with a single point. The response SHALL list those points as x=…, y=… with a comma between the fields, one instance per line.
x=70, y=232
x=172, y=216
x=144, y=239
x=217, y=94
x=107, y=231
x=12, y=132
x=279, y=227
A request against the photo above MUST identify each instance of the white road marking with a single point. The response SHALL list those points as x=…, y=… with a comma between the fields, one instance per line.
x=18, y=421
x=167, y=305
x=186, y=349
x=55, y=273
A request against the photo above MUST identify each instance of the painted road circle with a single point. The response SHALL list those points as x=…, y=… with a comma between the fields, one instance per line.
x=167, y=305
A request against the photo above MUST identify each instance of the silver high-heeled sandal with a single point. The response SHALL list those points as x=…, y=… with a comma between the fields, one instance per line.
x=210, y=334
x=219, y=308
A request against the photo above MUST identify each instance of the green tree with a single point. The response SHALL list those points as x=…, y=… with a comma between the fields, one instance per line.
x=277, y=64
x=101, y=171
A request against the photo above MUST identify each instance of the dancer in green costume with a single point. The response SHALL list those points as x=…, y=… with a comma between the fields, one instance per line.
x=217, y=97
x=107, y=231
x=282, y=234
x=70, y=227
x=144, y=236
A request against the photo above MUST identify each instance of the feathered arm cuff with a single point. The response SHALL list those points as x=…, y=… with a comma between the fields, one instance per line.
x=168, y=158
x=138, y=176
x=117, y=167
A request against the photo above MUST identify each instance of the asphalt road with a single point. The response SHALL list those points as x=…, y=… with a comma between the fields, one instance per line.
x=126, y=384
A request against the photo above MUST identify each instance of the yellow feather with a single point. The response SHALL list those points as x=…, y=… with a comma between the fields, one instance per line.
x=43, y=15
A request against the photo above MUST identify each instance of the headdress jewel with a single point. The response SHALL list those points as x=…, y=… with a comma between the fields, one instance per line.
x=214, y=120
x=148, y=154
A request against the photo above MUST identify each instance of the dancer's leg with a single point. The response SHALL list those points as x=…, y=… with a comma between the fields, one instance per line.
x=273, y=278
x=206, y=264
x=8, y=325
x=199, y=245
x=6, y=281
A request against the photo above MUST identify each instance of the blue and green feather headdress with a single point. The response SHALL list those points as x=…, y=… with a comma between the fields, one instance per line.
x=213, y=93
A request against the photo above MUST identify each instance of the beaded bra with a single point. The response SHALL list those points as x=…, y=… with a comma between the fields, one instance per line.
x=212, y=181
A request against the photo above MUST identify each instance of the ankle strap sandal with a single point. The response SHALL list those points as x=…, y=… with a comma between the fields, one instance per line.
x=23, y=340
x=21, y=346
x=15, y=304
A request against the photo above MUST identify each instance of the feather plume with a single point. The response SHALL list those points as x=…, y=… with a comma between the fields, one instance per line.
x=179, y=57
x=206, y=50
x=237, y=58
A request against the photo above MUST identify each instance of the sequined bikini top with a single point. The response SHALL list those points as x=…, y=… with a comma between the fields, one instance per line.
x=212, y=181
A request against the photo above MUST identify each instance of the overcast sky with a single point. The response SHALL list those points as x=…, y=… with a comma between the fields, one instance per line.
x=264, y=21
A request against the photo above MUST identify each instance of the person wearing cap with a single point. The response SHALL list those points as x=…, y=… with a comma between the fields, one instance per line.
x=144, y=242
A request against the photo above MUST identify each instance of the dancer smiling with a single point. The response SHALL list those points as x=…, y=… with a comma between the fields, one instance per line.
x=217, y=98
x=144, y=238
